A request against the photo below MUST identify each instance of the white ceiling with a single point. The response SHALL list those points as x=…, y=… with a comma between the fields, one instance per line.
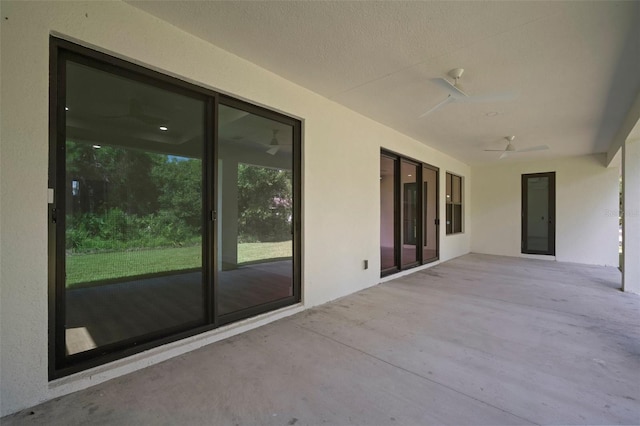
x=575, y=65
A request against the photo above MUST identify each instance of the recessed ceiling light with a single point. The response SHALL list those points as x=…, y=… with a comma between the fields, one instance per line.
x=66, y=108
x=409, y=175
x=164, y=128
x=96, y=146
x=491, y=114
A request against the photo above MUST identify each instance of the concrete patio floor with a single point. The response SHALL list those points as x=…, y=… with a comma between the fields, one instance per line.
x=482, y=340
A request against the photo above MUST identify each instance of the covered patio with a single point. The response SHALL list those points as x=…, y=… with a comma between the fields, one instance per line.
x=442, y=187
x=479, y=339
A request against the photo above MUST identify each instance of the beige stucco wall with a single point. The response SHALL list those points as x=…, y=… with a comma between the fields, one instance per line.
x=586, y=208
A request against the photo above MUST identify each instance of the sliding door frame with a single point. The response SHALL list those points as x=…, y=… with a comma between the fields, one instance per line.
x=297, y=223
x=60, y=364
x=437, y=218
x=398, y=213
x=419, y=215
x=396, y=216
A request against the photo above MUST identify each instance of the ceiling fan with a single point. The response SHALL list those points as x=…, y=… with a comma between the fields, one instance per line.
x=510, y=149
x=456, y=94
x=274, y=144
x=136, y=112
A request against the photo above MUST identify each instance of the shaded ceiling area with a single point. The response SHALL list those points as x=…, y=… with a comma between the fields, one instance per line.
x=572, y=69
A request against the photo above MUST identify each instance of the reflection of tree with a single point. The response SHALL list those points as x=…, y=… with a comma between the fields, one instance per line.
x=110, y=177
x=264, y=204
x=179, y=186
x=123, y=198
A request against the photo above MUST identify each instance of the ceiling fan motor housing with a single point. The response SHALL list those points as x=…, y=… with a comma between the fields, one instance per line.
x=456, y=73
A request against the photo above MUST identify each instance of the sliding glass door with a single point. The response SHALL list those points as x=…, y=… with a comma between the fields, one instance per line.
x=174, y=210
x=410, y=210
x=133, y=180
x=431, y=237
x=408, y=213
x=255, y=219
x=388, y=213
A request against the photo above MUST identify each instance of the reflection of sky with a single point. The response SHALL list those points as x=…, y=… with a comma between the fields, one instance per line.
x=176, y=158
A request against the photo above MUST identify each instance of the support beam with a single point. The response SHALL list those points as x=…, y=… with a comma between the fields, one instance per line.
x=631, y=215
x=629, y=126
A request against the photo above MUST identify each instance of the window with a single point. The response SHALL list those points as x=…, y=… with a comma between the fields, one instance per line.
x=163, y=225
x=408, y=213
x=454, y=204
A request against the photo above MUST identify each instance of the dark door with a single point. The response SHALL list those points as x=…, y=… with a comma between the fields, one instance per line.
x=409, y=174
x=431, y=223
x=388, y=214
x=538, y=213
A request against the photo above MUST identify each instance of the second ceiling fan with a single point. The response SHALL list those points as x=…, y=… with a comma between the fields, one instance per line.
x=456, y=94
x=510, y=149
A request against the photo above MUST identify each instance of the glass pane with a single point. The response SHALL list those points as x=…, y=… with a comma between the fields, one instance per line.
x=409, y=176
x=456, y=189
x=537, y=211
x=387, y=212
x=134, y=210
x=457, y=218
x=448, y=184
x=255, y=219
x=430, y=187
x=449, y=218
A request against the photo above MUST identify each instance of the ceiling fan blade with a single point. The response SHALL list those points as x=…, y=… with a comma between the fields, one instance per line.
x=438, y=106
x=534, y=148
x=449, y=87
x=494, y=150
x=491, y=97
x=273, y=150
x=504, y=155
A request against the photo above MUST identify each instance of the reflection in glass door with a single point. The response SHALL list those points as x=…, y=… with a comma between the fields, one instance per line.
x=133, y=218
x=431, y=225
x=409, y=218
x=255, y=219
x=410, y=224
x=388, y=254
x=538, y=213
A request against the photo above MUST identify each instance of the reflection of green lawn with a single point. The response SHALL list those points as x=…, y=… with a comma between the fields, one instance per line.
x=83, y=268
x=251, y=252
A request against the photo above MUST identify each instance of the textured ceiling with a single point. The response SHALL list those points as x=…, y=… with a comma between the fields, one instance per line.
x=575, y=66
